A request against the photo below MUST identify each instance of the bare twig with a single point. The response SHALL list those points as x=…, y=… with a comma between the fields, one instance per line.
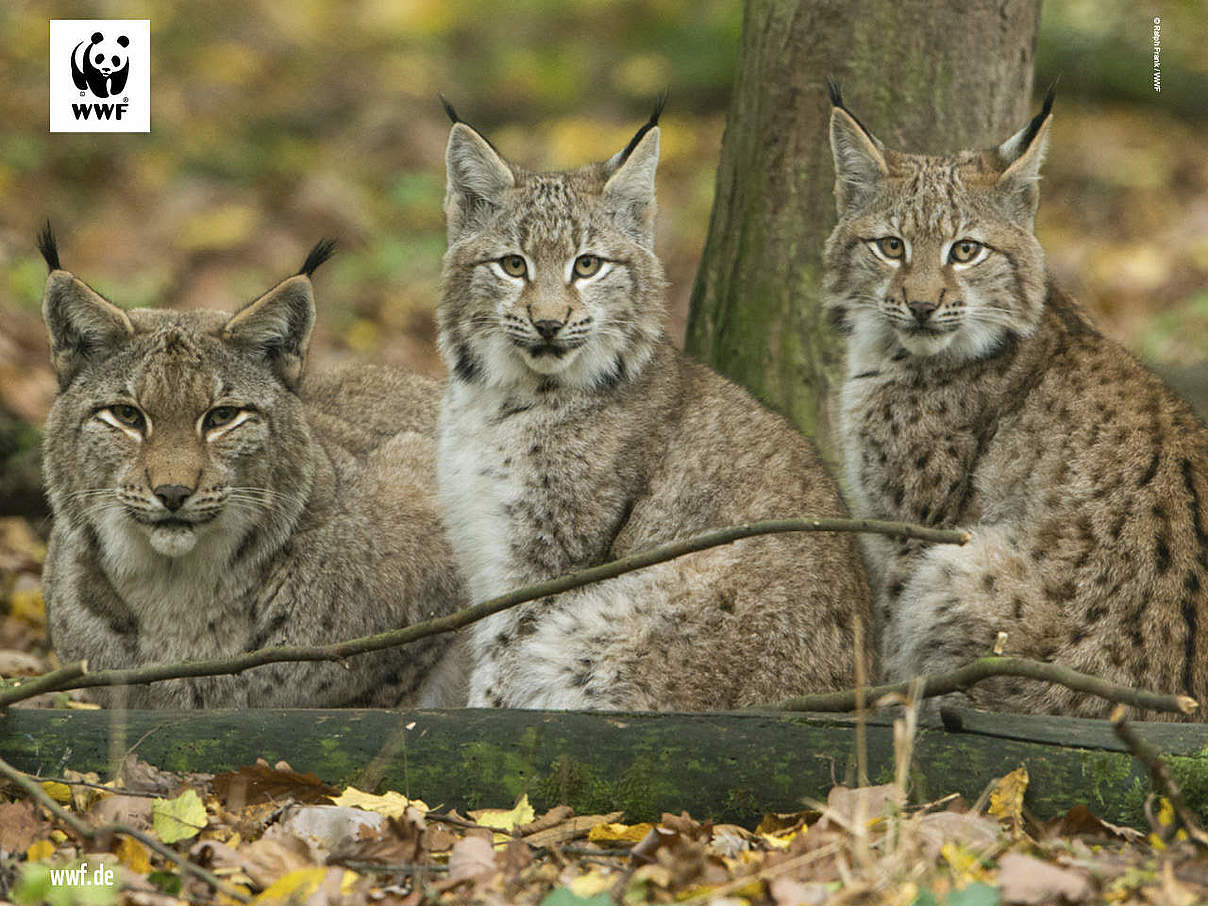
x=87, y=832
x=1159, y=772
x=76, y=677
x=985, y=668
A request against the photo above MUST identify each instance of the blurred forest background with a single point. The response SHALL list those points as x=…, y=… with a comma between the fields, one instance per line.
x=276, y=122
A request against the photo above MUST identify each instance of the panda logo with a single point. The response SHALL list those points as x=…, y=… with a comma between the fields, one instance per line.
x=101, y=66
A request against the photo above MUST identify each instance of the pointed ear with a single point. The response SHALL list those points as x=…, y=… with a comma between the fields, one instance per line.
x=859, y=161
x=82, y=324
x=1020, y=157
x=477, y=177
x=629, y=192
x=277, y=327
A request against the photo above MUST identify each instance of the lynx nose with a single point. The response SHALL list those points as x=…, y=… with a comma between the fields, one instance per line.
x=172, y=495
x=548, y=328
x=922, y=310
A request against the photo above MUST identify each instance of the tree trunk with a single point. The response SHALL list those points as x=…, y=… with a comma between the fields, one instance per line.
x=923, y=75
x=731, y=767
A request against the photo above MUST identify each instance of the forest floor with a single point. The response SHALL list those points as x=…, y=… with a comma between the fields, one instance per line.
x=270, y=835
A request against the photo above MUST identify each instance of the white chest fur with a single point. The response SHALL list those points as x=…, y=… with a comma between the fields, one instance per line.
x=480, y=457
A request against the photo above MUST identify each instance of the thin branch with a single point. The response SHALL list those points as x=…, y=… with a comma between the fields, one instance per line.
x=55, y=681
x=92, y=834
x=339, y=651
x=1159, y=772
x=985, y=668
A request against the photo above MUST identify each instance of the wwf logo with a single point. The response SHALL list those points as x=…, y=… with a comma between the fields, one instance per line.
x=100, y=75
x=101, y=66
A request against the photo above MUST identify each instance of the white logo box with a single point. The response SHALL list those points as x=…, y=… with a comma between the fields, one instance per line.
x=77, y=107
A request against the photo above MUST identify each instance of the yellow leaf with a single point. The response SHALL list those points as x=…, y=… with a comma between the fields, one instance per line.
x=43, y=849
x=133, y=855
x=390, y=804
x=619, y=833
x=1006, y=799
x=779, y=841
x=59, y=792
x=506, y=819
x=966, y=865
x=296, y=887
x=179, y=818
x=588, y=885
x=1165, y=812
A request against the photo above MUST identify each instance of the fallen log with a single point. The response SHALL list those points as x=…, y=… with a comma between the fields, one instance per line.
x=730, y=767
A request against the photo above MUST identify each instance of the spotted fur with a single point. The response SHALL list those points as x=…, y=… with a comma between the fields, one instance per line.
x=307, y=516
x=1002, y=409
x=563, y=452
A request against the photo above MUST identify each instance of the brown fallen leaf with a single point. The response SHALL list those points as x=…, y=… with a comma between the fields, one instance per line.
x=120, y=809
x=1028, y=880
x=258, y=783
x=973, y=832
x=1081, y=821
x=472, y=858
x=20, y=826
x=843, y=803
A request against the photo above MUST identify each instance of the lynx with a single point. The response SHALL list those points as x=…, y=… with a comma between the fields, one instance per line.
x=979, y=396
x=573, y=433
x=210, y=500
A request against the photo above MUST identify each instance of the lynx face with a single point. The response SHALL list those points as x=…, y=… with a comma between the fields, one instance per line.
x=550, y=277
x=169, y=428
x=935, y=255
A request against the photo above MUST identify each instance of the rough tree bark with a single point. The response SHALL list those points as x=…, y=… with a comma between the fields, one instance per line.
x=923, y=75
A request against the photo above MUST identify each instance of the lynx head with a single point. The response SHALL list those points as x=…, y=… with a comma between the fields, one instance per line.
x=174, y=428
x=550, y=279
x=935, y=255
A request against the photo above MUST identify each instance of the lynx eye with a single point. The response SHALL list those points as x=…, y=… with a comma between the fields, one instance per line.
x=128, y=416
x=219, y=416
x=964, y=251
x=587, y=266
x=891, y=247
x=513, y=265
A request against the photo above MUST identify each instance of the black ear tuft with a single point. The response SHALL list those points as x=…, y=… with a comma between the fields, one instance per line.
x=659, y=103
x=836, y=99
x=455, y=118
x=1038, y=119
x=836, y=96
x=323, y=250
x=48, y=247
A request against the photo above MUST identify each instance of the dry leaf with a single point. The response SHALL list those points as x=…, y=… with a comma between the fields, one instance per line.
x=390, y=804
x=20, y=826
x=1006, y=799
x=1024, y=879
x=619, y=833
x=259, y=782
x=971, y=832
x=506, y=819
x=472, y=857
x=179, y=818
